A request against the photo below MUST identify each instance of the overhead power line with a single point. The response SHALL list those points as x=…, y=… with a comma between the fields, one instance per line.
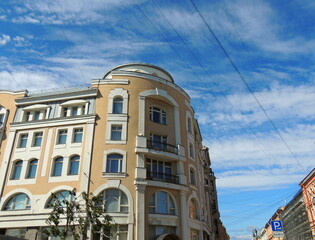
x=216, y=85
x=50, y=5
x=245, y=83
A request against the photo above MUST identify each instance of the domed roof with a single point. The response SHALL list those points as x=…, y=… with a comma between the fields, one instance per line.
x=141, y=68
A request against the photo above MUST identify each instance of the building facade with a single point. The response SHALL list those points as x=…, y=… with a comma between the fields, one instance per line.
x=295, y=220
x=308, y=189
x=130, y=137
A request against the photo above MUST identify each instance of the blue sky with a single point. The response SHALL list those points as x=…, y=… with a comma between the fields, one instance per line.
x=258, y=162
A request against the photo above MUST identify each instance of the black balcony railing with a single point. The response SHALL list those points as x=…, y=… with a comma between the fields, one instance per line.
x=162, y=146
x=163, y=177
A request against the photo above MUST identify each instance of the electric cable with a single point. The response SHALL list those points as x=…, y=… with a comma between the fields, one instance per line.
x=246, y=84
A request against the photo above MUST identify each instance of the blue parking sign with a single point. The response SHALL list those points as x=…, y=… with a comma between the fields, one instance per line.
x=276, y=226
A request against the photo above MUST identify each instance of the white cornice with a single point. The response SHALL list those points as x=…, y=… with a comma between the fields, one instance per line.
x=110, y=82
x=53, y=122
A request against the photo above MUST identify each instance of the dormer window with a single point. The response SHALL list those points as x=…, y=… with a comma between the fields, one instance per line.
x=73, y=108
x=35, y=112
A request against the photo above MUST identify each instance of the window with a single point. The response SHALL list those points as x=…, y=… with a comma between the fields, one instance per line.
x=32, y=168
x=191, y=150
x=17, y=170
x=77, y=135
x=62, y=197
x=193, y=210
x=118, y=105
x=65, y=112
x=74, y=165
x=37, y=142
x=192, y=176
x=18, y=202
x=114, y=163
x=158, y=230
x=23, y=140
x=159, y=142
x=62, y=136
x=57, y=167
x=116, y=232
x=74, y=111
x=161, y=203
x=115, y=200
x=159, y=169
x=116, y=132
x=189, y=127
x=157, y=115
x=1, y=119
x=28, y=116
x=37, y=115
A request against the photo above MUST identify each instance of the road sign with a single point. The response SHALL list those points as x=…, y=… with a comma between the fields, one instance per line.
x=276, y=226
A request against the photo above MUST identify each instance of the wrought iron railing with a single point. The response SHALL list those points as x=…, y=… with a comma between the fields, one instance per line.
x=162, y=146
x=163, y=177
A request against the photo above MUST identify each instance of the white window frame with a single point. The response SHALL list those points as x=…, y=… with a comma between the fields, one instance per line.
x=123, y=172
x=117, y=122
x=118, y=92
x=116, y=128
x=20, y=140
x=29, y=112
x=58, y=136
x=74, y=133
x=34, y=138
x=162, y=113
x=81, y=104
x=169, y=200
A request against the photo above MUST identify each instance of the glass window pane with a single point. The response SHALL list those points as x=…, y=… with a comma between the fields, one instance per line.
x=32, y=169
x=74, y=111
x=23, y=140
x=117, y=105
x=162, y=202
x=58, y=167
x=111, y=205
x=116, y=132
x=17, y=169
x=124, y=199
x=38, y=139
x=78, y=135
x=62, y=138
x=74, y=165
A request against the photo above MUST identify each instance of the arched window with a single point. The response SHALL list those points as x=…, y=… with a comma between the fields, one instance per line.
x=157, y=115
x=114, y=200
x=18, y=202
x=74, y=165
x=192, y=175
x=57, y=166
x=61, y=197
x=193, y=209
x=17, y=170
x=114, y=163
x=32, y=169
x=118, y=105
x=162, y=203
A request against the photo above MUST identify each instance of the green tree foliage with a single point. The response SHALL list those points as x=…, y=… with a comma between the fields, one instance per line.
x=74, y=215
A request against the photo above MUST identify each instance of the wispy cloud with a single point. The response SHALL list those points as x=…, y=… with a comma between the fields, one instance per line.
x=4, y=39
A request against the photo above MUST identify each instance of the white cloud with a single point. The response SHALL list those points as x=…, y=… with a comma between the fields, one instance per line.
x=4, y=39
x=20, y=41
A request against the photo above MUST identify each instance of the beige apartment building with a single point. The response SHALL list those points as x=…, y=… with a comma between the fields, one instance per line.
x=131, y=136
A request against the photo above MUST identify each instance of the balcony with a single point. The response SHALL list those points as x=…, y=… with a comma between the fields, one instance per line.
x=162, y=177
x=162, y=146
